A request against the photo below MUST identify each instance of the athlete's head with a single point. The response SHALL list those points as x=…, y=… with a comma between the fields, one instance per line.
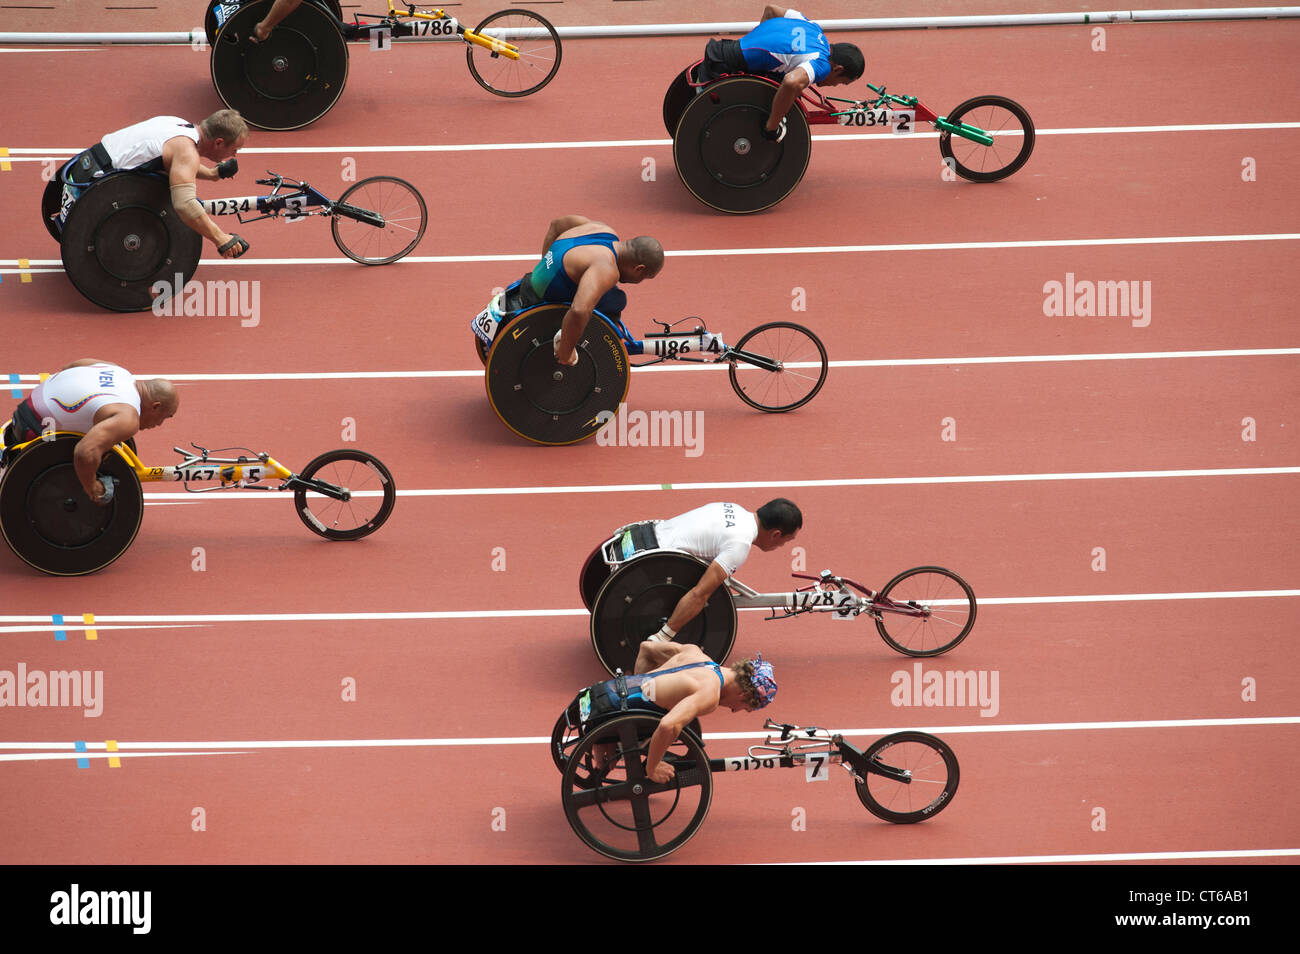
x=755, y=684
x=158, y=401
x=778, y=522
x=225, y=133
x=642, y=258
x=847, y=65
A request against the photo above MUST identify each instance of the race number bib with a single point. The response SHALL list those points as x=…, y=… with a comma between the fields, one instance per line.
x=861, y=116
x=487, y=322
x=443, y=27
x=903, y=121
x=846, y=606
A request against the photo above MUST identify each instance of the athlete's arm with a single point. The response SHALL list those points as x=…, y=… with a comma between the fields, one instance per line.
x=561, y=225
x=771, y=11
x=118, y=423
x=279, y=10
x=598, y=277
x=689, y=606
x=701, y=702
x=794, y=83
x=84, y=363
x=181, y=159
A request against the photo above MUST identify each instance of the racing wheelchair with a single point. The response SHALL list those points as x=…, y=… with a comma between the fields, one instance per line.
x=724, y=161
x=614, y=807
x=631, y=586
x=295, y=77
x=50, y=523
x=776, y=367
x=119, y=235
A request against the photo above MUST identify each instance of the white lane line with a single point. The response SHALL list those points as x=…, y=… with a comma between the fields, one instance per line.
x=43, y=624
x=28, y=381
x=12, y=263
x=47, y=756
x=271, y=744
x=151, y=498
x=41, y=153
x=1066, y=859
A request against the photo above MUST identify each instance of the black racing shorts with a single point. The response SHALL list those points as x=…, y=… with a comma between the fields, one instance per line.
x=722, y=57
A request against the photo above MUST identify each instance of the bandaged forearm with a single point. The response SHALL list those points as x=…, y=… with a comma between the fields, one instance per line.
x=185, y=200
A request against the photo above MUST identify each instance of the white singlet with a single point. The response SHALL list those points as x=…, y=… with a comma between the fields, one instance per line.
x=136, y=145
x=71, y=397
x=721, y=532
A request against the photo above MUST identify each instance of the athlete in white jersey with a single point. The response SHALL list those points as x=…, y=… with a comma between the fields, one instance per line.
x=721, y=533
x=175, y=146
x=103, y=401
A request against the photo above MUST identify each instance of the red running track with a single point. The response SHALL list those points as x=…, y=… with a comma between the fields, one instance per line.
x=470, y=698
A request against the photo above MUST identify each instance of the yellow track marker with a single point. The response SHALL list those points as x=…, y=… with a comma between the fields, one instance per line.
x=89, y=620
x=24, y=276
x=114, y=761
x=5, y=164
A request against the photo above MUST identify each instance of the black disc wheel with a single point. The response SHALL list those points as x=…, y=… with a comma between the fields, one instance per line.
x=938, y=611
x=929, y=777
x=640, y=596
x=543, y=401
x=50, y=523
x=287, y=81
x=122, y=236
x=595, y=571
x=534, y=39
x=780, y=366
x=720, y=152
x=370, y=495
x=1013, y=139
x=614, y=807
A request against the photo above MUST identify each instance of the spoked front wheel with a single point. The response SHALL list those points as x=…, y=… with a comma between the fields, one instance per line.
x=948, y=605
x=371, y=494
x=1013, y=139
x=539, y=54
x=779, y=366
x=932, y=776
x=379, y=220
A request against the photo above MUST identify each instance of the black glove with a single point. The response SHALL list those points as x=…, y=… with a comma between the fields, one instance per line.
x=235, y=241
x=774, y=135
x=227, y=169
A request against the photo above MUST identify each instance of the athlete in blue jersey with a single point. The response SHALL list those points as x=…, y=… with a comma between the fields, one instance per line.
x=790, y=49
x=582, y=262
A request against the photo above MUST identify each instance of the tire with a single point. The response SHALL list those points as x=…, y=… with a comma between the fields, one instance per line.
x=789, y=387
x=993, y=114
x=721, y=155
x=637, y=599
x=50, y=523
x=288, y=81
x=365, y=476
x=399, y=204
x=51, y=203
x=616, y=810
x=679, y=96
x=942, y=628
x=539, y=54
x=935, y=775
x=594, y=573
x=122, y=236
